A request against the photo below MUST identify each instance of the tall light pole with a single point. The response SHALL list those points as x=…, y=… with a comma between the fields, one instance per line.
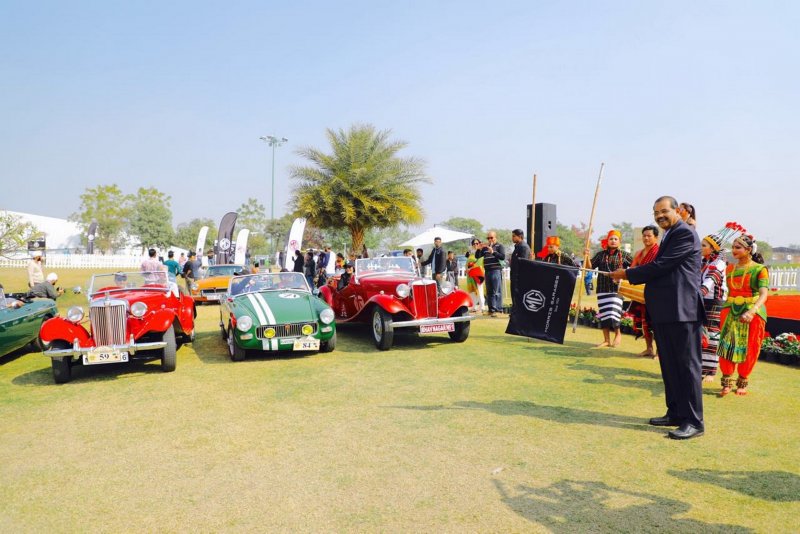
x=273, y=141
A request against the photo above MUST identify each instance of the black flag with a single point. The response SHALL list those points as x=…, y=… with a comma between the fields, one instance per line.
x=225, y=246
x=543, y=295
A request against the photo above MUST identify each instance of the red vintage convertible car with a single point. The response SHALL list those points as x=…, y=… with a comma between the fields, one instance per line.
x=388, y=293
x=131, y=316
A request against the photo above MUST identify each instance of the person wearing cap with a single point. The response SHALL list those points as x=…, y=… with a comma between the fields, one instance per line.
x=344, y=280
x=609, y=301
x=712, y=287
x=35, y=274
x=191, y=270
x=551, y=252
x=46, y=289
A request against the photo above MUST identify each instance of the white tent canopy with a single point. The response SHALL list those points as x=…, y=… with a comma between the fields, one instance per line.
x=427, y=237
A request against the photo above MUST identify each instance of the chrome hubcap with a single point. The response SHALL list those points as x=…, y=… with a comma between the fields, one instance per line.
x=377, y=327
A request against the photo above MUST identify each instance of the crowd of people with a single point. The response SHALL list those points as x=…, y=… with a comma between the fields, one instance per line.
x=691, y=288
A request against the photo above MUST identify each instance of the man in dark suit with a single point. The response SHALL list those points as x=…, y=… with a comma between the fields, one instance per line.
x=676, y=310
x=437, y=261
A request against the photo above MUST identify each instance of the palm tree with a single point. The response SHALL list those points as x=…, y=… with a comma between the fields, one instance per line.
x=361, y=185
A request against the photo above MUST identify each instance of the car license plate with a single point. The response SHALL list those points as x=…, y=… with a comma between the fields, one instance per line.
x=306, y=344
x=103, y=355
x=437, y=328
x=212, y=296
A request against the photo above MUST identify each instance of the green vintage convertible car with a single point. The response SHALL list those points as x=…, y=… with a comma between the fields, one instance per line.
x=273, y=312
x=20, y=321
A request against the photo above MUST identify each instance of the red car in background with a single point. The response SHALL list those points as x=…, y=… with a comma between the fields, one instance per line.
x=131, y=316
x=389, y=294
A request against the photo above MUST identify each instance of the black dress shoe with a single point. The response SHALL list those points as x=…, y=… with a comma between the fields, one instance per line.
x=686, y=431
x=664, y=421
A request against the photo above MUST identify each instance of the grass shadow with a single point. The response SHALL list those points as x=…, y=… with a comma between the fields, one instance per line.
x=589, y=506
x=623, y=377
x=22, y=351
x=210, y=347
x=777, y=486
x=556, y=414
x=94, y=373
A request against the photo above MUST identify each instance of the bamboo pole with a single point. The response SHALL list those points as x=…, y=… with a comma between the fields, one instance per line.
x=586, y=246
x=532, y=229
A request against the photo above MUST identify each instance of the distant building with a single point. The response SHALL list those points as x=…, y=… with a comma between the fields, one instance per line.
x=785, y=255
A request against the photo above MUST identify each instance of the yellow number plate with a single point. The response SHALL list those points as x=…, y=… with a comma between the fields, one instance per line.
x=306, y=344
x=103, y=355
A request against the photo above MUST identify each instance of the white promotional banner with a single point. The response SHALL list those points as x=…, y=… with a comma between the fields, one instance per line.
x=295, y=241
x=201, y=242
x=241, y=246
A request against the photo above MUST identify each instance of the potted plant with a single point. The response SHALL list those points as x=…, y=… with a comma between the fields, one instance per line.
x=784, y=348
x=626, y=324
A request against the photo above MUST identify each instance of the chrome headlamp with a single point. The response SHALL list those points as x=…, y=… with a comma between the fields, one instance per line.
x=244, y=323
x=446, y=287
x=138, y=309
x=326, y=316
x=75, y=314
x=402, y=290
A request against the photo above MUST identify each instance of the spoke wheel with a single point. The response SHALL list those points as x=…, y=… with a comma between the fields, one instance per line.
x=236, y=352
x=382, y=331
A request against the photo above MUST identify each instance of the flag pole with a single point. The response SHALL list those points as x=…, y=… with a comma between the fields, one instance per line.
x=586, y=246
x=532, y=229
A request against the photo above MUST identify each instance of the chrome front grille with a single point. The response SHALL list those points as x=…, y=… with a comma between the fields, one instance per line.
x=285, y=330
x=213, y=291
x=426, y=298
x=108, y=319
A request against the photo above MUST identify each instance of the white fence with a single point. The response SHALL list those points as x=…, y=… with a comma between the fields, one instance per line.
x=784, y=278
x=80, y=261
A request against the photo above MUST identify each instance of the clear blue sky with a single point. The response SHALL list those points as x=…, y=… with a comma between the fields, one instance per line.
x=693, y=99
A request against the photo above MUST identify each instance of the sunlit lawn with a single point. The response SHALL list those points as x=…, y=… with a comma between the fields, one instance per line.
x=497, y=434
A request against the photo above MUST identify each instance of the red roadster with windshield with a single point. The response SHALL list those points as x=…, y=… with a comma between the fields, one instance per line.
x=131, y=316
x=389, y=294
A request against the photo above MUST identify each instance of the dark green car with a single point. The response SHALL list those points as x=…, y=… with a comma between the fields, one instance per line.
x=274, y=312
x=20, y=321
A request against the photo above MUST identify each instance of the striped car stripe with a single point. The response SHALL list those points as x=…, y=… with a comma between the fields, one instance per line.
x=267, y=309
x=273, y=343
x=265, y=343
x=257, y=308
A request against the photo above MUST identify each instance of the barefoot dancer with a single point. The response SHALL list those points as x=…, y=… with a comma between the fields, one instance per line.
x=609, y=302
x=743, y=315
x=637, y=309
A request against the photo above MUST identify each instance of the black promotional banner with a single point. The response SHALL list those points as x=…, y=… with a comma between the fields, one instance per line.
x=543, y=296
x=225, y=246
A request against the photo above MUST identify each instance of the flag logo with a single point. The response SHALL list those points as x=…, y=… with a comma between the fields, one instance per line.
x=533, y=300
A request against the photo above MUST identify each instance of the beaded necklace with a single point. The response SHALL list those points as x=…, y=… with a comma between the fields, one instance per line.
x=742, y=276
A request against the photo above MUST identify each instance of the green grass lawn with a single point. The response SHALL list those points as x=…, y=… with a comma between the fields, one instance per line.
x=499, y=434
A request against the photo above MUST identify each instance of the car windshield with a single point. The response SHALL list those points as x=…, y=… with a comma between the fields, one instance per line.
x=224, y=270
x=155, y=281
x=251, y=283
x=391, y=264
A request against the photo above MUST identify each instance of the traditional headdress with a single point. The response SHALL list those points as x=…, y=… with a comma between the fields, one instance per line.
x=728, y=234
x=551, y=240
x=604, y=242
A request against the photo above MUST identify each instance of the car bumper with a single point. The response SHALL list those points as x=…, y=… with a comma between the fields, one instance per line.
x=131, y=348
x=421, y=322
